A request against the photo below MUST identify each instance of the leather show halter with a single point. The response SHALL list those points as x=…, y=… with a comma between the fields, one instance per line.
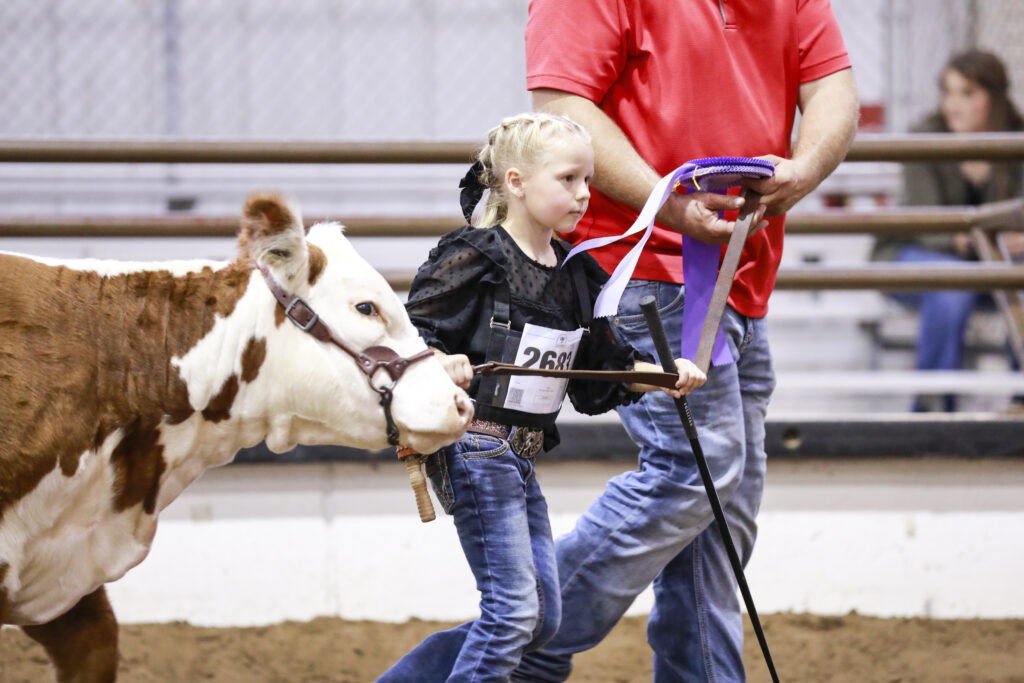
x=369, y=360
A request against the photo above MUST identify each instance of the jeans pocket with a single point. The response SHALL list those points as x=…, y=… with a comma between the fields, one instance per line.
x=437, y=472
x=482, y=447
x=630, y=326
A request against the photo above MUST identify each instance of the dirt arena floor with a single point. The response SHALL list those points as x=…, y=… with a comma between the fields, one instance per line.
x=805, y=648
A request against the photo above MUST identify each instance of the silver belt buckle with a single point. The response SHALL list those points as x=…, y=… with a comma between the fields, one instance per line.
x=526, y=442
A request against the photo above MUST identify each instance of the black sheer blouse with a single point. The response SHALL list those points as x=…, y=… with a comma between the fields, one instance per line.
x=452, y=299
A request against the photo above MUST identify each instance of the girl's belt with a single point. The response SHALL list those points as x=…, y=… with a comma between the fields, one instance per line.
x=491, y=428
x=526, y=442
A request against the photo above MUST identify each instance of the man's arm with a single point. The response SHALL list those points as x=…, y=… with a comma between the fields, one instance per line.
x=829, y=111
x=622, y=174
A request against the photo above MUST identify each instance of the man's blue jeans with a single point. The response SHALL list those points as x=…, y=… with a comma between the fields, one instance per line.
x=502, y=520
x=655, y=523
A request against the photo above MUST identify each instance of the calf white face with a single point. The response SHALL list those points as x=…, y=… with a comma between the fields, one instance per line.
x=315, y=392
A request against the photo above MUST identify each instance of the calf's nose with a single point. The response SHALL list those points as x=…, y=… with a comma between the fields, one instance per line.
x=464, y=407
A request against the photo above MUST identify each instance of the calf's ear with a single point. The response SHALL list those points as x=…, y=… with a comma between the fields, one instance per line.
x=272, y=233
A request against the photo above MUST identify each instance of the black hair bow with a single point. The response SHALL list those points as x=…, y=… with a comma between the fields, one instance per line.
x=472, y=190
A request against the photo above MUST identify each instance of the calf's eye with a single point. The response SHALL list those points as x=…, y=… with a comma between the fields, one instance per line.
x=367, y=308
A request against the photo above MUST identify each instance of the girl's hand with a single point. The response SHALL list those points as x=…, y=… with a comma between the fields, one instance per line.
x=690, y=378
x=458, y=367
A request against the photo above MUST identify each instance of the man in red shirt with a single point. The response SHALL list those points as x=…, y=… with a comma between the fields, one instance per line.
x=657, y=83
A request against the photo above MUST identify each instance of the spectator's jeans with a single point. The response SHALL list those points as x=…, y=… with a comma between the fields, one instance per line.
x=652, y=524
x=502, y=520
x=944, y=314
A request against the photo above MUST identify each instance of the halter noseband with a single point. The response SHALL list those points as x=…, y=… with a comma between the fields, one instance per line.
x=368, y=360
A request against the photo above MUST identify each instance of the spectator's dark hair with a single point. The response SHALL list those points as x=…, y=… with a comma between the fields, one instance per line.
x=988, y=71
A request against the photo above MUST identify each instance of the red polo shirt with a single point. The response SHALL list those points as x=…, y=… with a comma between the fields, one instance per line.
x=686, y=80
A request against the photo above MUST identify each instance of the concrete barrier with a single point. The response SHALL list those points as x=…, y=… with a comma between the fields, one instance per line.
x=258, y=544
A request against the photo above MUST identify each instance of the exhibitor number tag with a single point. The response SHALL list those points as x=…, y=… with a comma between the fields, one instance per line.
x=548, y=349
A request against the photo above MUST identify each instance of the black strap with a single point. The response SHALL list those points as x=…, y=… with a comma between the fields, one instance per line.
x=491, y=389
x=501, y=322
x=579, y=283
x=501, y=314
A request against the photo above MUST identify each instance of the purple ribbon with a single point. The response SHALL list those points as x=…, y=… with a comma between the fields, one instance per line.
x=700, y=260
x=700, y=270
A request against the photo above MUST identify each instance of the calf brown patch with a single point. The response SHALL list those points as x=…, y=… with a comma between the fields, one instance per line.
x=267, y=213
x=82, y=642
x=177, y=408
x=3, y=593
x=317, y=263
x=82, y=355
x=252, y=358
x=219, y=407
x=138, y=464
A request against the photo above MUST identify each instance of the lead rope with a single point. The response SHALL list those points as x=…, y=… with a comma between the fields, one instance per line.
x=414, y=467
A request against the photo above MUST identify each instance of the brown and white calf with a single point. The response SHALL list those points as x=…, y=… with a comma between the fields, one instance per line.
x=121, y=382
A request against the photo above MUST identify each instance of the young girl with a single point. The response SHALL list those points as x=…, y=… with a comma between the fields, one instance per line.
x=501, y=294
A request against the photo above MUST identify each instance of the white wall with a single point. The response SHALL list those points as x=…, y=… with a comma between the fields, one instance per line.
x=259, y=544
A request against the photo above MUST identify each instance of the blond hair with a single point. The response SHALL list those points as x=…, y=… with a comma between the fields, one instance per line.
x=517, y=142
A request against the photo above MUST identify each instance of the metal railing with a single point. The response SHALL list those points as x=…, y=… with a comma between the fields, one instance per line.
x=899, y=222
x=1007, y=215
x=867, y=147
x=993, y=274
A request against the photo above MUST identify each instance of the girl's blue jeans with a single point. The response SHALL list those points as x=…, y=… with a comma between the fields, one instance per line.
x=502, y=520
x=655, y=524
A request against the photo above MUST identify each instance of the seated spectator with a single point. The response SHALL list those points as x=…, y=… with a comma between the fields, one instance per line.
x=973, y=99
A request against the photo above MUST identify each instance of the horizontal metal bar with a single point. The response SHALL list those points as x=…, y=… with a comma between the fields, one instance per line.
x=903, y=277
x=889, y=222
x=902, y=382
x=937, y=147
x=905, y=222
x=1007, y=215
x=185, y=225
x=866, y=147
x=895, y=278
x=982, y=277
x=235, y=152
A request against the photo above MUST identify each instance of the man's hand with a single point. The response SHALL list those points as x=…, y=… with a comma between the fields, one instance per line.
x=790, y=183
x=696, y=215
